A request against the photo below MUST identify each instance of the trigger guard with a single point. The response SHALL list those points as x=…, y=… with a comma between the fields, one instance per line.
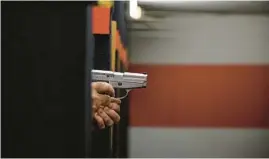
x=127, y=91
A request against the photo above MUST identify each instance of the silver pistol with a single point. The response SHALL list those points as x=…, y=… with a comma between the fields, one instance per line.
x=126, y=80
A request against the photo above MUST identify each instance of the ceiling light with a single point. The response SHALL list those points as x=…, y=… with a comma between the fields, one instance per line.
x=135, y=10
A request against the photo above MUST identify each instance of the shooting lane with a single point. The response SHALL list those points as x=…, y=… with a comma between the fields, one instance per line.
x=110, y=54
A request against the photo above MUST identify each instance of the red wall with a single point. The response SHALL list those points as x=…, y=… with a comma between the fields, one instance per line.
x=202, y=96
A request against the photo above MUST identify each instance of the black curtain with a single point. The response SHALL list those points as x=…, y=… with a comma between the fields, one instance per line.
x=45, y=74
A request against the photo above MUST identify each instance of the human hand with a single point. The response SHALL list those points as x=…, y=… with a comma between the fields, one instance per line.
x=105, y=106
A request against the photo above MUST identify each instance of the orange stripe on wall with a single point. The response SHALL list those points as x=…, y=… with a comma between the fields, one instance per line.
x=100, y=20
x=121, y=50
x=201, y=96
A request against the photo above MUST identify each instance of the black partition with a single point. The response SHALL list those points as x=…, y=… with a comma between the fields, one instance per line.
x=45, y=96
x=120, y=135
x=101, y=137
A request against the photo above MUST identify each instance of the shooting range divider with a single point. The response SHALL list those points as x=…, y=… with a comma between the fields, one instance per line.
x=110, y=53
x=48, y=49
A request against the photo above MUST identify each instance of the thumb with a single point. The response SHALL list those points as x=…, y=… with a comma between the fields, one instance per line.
x=103, y=88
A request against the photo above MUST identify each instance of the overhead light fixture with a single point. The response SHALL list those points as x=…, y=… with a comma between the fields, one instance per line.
x=134, y=10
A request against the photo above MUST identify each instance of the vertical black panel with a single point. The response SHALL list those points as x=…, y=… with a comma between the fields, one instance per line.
x=44, y=79
x=88, y=67
x=121, y=132
x=124, y=124
x=102, y=52
x=101, y=138
x=116, y=133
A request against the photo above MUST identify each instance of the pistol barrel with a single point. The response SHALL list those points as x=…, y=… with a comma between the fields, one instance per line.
x=126, y=80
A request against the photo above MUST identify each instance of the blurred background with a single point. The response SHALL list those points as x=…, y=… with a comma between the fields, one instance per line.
x=208, y=78
x=208, y=70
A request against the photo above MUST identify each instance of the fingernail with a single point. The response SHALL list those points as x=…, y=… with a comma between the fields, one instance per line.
x=110, y=123
x=118, y=120
x=102, y=126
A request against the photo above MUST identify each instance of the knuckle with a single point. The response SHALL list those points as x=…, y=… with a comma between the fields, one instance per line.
x=106, y=118
x=94, y=107
x=106, y=99
x=116, y=107
x=106, y=109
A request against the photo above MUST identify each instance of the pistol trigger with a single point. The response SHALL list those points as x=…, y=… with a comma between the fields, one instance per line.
x=127, y=91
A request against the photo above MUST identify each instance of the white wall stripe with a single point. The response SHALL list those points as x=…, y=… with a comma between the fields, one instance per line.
x=204, y=39
x=194, y=39
x=192, y=143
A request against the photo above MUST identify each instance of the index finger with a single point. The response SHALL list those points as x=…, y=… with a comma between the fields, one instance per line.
x=115, y=100
x=103, y=88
